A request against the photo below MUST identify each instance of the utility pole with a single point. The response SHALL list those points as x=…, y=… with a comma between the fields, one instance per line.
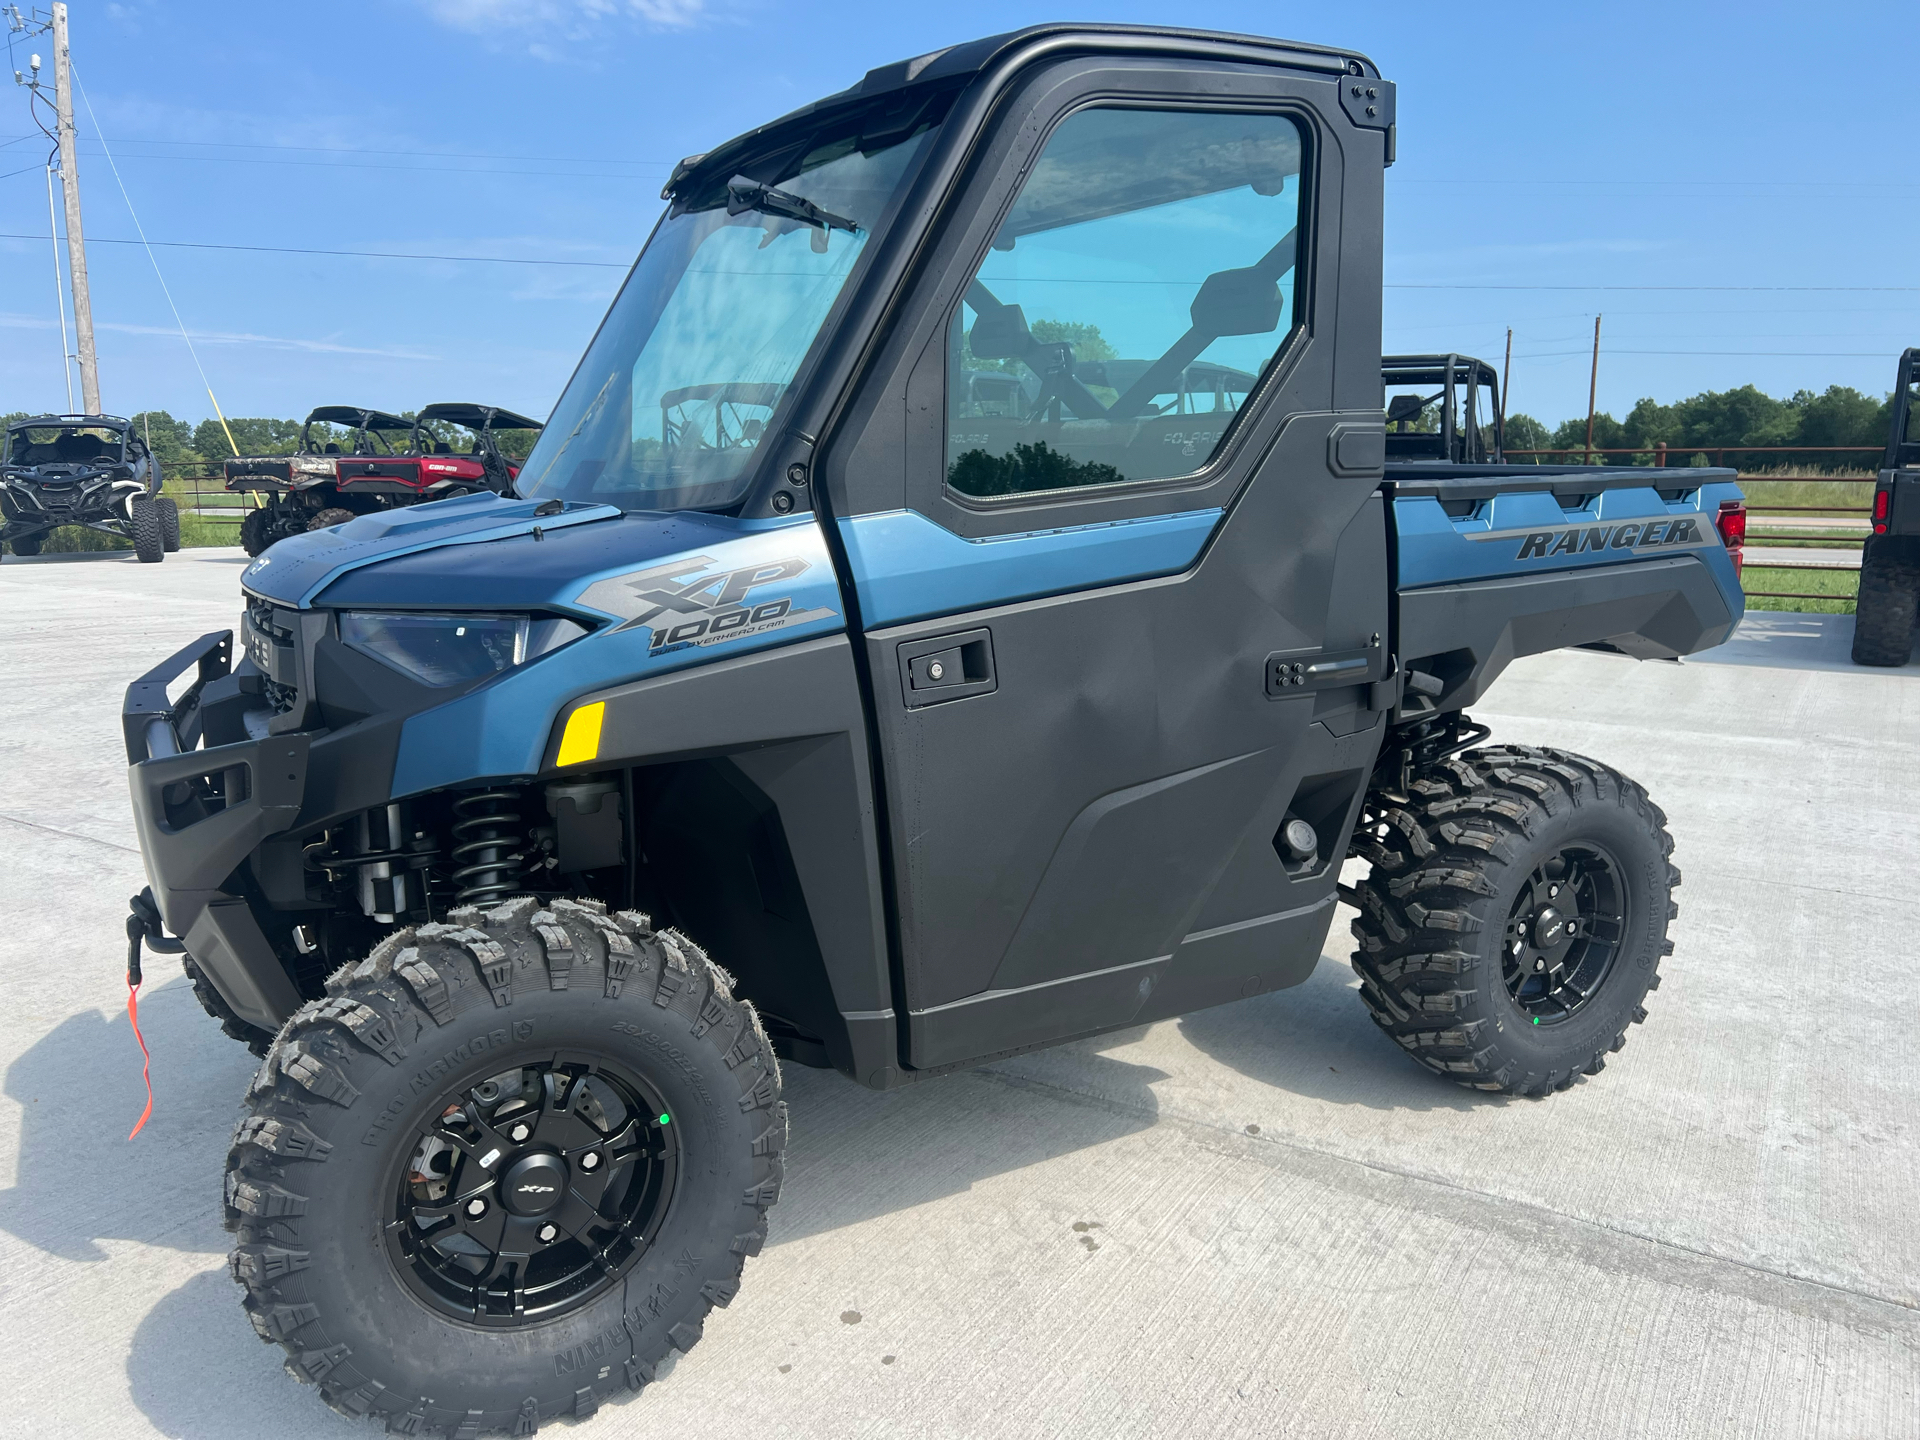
x=1506, y=378
x=70, y=185
x=1593, y=387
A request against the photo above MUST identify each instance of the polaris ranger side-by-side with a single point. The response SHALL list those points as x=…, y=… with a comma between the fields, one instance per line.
x=94, y=471
x=1889, y=598
x=894, y=725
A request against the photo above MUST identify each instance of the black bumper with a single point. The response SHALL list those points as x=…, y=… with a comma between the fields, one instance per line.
x=193, y=846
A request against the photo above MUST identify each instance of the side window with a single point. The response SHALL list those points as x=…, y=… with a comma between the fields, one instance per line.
x=1142, y=281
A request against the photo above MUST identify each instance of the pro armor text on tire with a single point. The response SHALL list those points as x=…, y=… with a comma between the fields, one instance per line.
x=215, y=1004
x=1515, y=916
x=504, y=1168
x=1884, y=612
x=332, y=515
x=149, y=541
x=169, y=523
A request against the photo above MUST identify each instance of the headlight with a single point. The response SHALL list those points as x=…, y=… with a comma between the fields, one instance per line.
x=442, y=649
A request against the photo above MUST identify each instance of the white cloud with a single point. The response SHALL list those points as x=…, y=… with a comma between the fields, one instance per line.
x=217, y=337
x=568, y=19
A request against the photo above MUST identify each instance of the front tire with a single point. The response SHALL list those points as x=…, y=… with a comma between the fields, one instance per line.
x=420, y=1224
x=1884, y=611
x=149, y=540
x=1515, y=916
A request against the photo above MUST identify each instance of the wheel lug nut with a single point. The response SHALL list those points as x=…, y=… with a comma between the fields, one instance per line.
x=590, y=1161
x=476, y=1208
x=520, y=1132
x=1552, y=890
x=547, y=1234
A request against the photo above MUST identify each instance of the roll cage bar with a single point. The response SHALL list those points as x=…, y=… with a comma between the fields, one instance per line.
x=1903, y=436
x=1453, y=374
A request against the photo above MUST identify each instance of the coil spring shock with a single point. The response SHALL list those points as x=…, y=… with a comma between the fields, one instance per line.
x=486, y=866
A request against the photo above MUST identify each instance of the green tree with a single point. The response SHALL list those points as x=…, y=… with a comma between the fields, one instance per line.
x=1523, y=432
x=171, y=439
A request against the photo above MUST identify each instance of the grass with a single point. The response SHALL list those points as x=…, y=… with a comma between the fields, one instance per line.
x=1841, y=585
x=1855, y=492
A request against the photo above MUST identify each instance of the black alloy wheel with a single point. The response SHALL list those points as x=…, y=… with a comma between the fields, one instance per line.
x=533, y=1192
x=1563, y=933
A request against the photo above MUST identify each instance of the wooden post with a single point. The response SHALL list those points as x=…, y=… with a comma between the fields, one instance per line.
x=1593, y=388
x=76, y=240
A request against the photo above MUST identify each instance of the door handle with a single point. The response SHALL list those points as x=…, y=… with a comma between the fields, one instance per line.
x=947, y=667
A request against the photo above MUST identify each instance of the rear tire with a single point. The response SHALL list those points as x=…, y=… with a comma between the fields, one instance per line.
x=1884, y=613
x=547, y=1033
x=169, y=523
x=1460, y=878
x=30, y=545
x=332, y=515
x=149, y=542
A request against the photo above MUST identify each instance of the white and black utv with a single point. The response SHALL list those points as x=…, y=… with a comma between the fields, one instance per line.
x=86, y=470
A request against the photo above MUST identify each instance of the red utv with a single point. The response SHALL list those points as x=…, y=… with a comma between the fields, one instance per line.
x=454, y=449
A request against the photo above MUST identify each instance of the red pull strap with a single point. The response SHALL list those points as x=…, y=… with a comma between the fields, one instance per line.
x=146, y=1060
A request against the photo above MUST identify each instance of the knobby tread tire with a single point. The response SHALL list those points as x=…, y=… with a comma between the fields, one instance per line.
x=398, y=1024
x=169, y=523
x=1884, y=612
x=215, y=1004
x=1445, y=870
x=256, y=530
x=28, y=546
x=149, y=540
x=333, y=515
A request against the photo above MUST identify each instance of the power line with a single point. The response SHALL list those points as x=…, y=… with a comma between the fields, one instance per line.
x=354, y=254
x=354, y=150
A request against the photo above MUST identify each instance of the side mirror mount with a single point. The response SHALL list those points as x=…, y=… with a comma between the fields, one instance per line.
x=1237, y=302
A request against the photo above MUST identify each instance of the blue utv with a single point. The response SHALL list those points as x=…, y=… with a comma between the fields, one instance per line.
x=966, y=599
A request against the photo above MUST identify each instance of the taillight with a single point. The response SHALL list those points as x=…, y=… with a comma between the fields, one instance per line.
x=1880, y=499
x=1731, y=522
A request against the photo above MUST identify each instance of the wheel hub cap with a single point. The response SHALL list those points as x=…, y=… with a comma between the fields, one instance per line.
x=1562, y=934
x=533, y=1184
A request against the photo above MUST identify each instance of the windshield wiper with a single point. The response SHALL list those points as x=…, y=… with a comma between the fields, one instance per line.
x=744, y=195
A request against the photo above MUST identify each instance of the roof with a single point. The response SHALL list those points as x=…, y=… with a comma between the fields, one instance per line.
x=114, y=422
x=475, y=417
x=1432, y=369
x=352, y=415
x=960, y=63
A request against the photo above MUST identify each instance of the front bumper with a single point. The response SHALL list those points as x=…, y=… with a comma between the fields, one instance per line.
x=200, y=813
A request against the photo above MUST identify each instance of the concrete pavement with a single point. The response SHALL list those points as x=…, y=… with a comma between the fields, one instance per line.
x=1258, y=1220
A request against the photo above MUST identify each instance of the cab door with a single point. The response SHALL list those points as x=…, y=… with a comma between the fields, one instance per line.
x=1107, y=500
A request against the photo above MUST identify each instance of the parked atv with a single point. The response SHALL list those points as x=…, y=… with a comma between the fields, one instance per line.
x=88, y=470
x=959, y=716
x=455, y=449
x=1883, y=616
x=302, y=489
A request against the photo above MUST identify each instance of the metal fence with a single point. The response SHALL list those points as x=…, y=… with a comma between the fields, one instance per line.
x=200, y=489
x=1798, y=529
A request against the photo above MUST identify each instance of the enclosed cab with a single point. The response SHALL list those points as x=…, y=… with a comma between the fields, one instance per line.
x=960, y=603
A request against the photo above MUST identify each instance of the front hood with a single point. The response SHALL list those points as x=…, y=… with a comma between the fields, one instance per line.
x=298, y=568
x=659, y=591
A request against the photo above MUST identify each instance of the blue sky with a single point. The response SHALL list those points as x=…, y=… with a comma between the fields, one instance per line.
x=1703, y=152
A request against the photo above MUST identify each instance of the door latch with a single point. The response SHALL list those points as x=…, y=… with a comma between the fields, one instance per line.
x=947, y=667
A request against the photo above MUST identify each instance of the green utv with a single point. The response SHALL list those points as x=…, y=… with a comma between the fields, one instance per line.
x=966, y=599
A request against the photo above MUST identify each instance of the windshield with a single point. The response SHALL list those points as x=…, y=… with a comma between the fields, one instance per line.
x=688, y=370
x=64, y=445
